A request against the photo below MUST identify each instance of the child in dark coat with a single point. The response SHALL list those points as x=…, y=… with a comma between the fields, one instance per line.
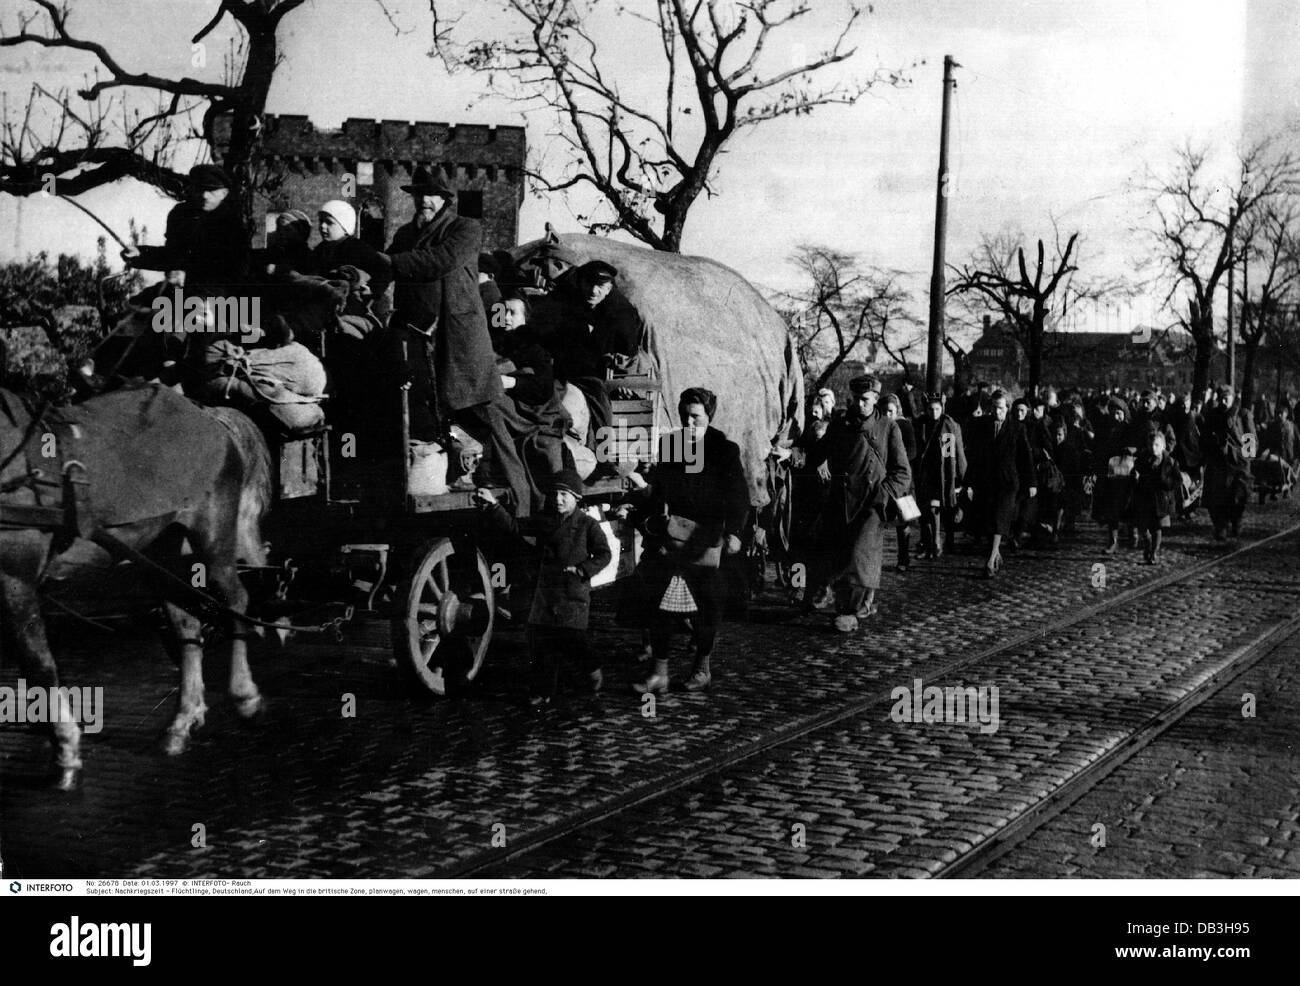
x=1153, y=495
x=567, y=549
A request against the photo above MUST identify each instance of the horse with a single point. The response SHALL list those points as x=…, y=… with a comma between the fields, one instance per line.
x=184, y=485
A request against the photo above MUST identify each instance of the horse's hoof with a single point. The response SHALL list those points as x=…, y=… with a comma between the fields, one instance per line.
x=65, y=779
x=249, y=707
x=174, y=742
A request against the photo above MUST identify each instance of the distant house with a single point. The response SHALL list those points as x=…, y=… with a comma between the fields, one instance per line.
x=1145, y=358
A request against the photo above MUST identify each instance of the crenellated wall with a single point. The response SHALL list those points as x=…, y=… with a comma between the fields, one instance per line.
x=301, y=167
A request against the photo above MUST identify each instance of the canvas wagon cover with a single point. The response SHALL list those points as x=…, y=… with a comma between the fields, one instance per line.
x=708, y=327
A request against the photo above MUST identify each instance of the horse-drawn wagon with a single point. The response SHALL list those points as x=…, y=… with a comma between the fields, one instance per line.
x=420, y=556
x=348, y=541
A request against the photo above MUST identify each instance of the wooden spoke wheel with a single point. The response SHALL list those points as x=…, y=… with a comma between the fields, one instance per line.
x=443, y=627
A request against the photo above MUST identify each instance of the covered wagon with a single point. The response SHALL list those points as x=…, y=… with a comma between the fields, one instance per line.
x=706, y=326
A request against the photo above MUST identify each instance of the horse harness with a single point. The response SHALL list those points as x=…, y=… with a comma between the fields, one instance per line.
x=58, y=482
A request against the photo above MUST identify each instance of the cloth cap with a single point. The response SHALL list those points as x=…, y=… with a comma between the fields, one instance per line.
x=860, y=385
x=205, y=176
x=341, y=213
x=597, y=272
x=294, y=217
x=566, y=479
x=487, y=264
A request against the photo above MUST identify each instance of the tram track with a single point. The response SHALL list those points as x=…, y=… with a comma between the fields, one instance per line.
x=1236, y=663
x=1018, y=829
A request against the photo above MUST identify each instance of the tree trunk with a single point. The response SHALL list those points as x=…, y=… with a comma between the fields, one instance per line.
x=1204, y=336
x=246, y=117
x=1251, y=352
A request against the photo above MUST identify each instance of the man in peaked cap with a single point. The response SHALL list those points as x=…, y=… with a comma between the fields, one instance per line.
x=205, y=249
x=438, y=311
x=864, y=460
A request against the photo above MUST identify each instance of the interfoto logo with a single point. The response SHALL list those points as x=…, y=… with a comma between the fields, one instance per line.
x=38, y=704
x=954, y=704
x=15, y=887
x=179, y=315
x=92, y=940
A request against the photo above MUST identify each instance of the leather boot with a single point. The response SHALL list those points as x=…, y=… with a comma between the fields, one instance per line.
x=702, y=676
x=657, y=683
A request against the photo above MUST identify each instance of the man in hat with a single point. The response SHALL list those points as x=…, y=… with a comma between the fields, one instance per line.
x=437, y=310
x=864, y=460
x=206, y=247
x=566, y=549
x=589, y=323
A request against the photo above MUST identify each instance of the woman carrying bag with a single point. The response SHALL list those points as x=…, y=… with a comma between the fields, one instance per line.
x=695, y=500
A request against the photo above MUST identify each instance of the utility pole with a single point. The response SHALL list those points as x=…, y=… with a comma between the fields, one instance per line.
x=1232, y=270
x=934, y=352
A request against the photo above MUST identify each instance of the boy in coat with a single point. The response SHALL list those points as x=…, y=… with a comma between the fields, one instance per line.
x=567, y=549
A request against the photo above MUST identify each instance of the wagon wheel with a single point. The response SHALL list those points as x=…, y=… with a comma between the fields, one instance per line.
x=442, y=631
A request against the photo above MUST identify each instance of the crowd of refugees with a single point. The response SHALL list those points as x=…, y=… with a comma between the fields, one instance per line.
x=1013, y=473
x=508, y=371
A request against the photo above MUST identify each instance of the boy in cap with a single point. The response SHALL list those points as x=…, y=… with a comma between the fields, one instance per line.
x=567, y=549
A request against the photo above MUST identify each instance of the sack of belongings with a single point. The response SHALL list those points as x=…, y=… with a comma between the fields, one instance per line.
x=289, y=381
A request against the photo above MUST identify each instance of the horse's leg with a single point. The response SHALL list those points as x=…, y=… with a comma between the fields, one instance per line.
x=213, y=535
x=191, y=708
x=21, y=555
x=242, y=689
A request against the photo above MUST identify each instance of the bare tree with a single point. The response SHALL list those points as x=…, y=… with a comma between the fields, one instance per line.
x=108, y=139
x=849, y=310
x=1028, y=296
x=1271, y=237
x=1195, y=231
x=650, y=163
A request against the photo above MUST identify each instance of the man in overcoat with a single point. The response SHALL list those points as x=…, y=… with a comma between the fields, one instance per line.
x=865, y=462
x=438, y=311
x=938, y=472
x=1227, y=462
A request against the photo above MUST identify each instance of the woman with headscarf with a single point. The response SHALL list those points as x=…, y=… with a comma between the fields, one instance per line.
x=695, y=501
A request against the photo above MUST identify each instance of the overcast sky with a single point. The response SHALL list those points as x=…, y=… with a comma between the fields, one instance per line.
x=1059, y=104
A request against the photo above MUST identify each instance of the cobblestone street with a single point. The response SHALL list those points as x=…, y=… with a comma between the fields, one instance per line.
x=791, y=766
